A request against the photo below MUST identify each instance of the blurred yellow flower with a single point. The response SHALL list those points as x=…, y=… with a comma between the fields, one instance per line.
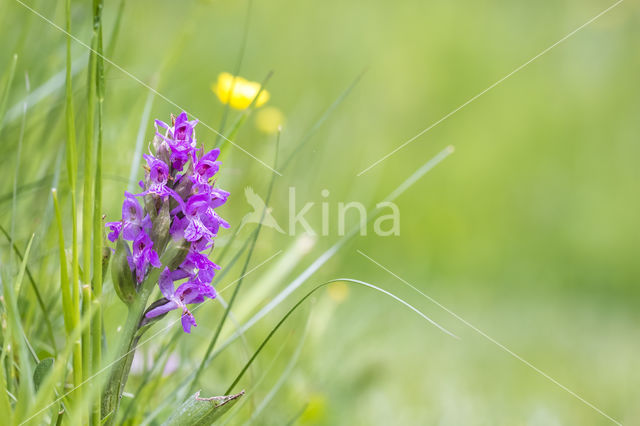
x=238, y=92
x=316, y=409
x=338, y=291
x=269, y=119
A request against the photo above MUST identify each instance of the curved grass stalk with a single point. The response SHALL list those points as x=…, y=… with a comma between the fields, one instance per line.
x=305, y=297
x=322, y=259
x=285, y=374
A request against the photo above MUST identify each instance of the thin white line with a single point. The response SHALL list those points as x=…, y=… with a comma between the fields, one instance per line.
x=490, y=87
x=253, y=269
x=492, y=340
x=146, y=86
x=171, y=324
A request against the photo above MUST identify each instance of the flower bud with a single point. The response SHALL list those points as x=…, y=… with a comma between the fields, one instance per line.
x=144, y=322
x=176, y=253
x=160, y=231
x=124, y=281
x=106, y=256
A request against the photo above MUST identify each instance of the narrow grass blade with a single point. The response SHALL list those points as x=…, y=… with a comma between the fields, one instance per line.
x=255, y=415
x=245, y=113
x=34, y=286
x=25, y=389
x=244, y=270
x=8, y=81
x=116, y=30
x=137, y=154
x=5, y=404
x=312, y=131
x=98, y=228
x=43, y=399
x=236, y=71
x=72, y=172
x=42, y=92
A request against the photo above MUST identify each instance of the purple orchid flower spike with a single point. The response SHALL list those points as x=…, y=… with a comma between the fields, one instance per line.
x=179, y=202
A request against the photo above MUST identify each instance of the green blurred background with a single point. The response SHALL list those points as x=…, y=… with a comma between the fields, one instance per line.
x=529, y=231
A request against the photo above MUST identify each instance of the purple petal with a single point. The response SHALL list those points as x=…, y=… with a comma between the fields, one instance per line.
x=165, y=282
x=162, y=309
x=187, y=321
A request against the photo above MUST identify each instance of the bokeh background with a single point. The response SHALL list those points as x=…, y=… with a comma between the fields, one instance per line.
x=529, y=231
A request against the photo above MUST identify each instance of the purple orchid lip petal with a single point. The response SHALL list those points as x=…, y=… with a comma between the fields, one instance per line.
x=161, y=310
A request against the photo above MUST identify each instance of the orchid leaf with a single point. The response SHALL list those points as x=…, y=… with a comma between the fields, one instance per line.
x=196, y=411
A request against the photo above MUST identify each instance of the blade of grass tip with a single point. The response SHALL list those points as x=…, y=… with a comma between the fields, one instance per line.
x=115, y=32
x=49, y=213
x=8, y=78
x=14, y=327
x=72, y=171
x=283, y=377
x=306, y=296
x=236, y=290
x=137, y=154
x=320, y=121
x=34, y=286
x=324, y=258
x=98, y=228
x=294, y=419
x=42, y=92
x=88, y=193
x=236, y=70
x=245, y=113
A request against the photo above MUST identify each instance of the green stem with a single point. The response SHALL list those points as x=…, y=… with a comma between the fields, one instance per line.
x=67, y=306
x=96, y=325
x=129, y=337
x=72, y=169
